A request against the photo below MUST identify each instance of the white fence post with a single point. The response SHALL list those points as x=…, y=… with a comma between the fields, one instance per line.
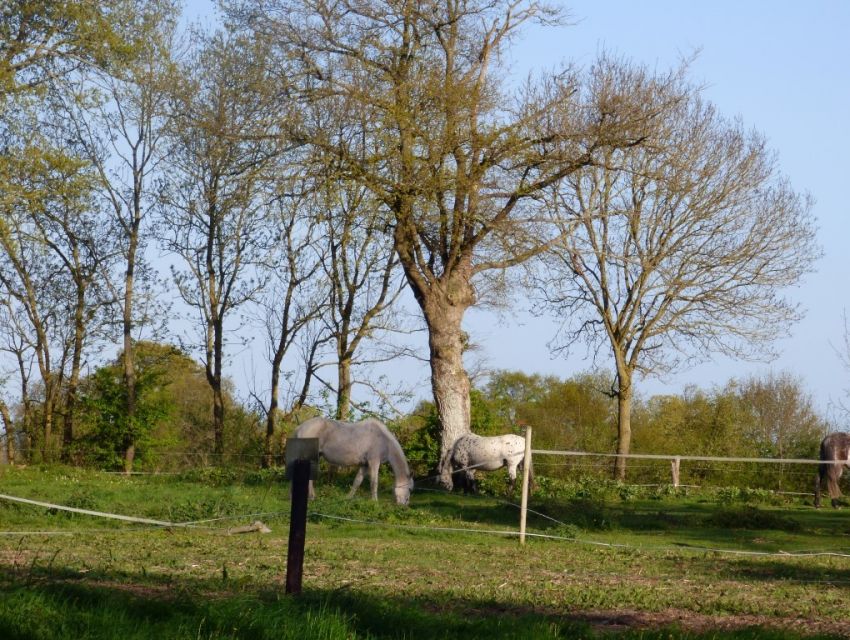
x=526, y=466
x=675, y=464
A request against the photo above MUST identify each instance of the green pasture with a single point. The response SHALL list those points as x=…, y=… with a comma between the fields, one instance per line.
x=603, y=560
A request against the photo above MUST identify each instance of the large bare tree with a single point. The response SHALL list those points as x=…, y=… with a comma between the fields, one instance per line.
x=677, y=250
x=457, y=160
x=214, y=212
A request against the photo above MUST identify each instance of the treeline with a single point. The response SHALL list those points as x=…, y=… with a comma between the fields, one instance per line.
x=274, y=183
x=757, y=417
x=769, y=417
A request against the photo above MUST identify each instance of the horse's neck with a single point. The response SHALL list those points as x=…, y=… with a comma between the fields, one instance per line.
x=397, y=461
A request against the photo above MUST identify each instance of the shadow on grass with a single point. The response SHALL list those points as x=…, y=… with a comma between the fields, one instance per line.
x=747, y=570
x=52, y=607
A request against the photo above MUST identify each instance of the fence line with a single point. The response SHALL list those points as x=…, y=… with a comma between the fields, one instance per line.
x=673, y=457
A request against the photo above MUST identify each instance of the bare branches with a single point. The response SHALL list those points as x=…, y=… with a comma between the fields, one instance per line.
x=678, y=247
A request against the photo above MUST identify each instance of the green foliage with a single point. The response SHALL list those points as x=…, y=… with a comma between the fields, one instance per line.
x=171, y=426
x=43, y=38
x=419, y=436
x=265, y=477
x=104, y=420
x=210, y=476
x=573, y=414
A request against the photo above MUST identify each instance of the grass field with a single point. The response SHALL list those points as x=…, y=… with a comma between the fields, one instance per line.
x=607, y=561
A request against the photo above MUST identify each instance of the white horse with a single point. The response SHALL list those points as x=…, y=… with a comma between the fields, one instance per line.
x=472, y=452
x=364, y=444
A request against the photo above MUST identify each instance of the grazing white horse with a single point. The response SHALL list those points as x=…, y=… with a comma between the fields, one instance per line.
x=472, y=452
x=365, y=444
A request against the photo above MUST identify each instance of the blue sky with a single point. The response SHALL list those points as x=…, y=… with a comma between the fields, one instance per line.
x=784, y=69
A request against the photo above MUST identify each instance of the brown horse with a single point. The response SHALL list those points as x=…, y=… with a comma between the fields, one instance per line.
x=835, y=450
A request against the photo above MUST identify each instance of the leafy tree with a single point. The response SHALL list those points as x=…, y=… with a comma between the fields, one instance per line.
x=44, y=39
x=171, y=419
x=52, y=254
x=364, y=281
x=117, y=117
x=291, y=304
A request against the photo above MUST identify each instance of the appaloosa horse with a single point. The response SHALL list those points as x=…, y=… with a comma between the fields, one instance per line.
x=365, y=444
x=472, y=452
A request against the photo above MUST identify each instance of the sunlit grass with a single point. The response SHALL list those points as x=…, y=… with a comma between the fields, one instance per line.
x=448, y=566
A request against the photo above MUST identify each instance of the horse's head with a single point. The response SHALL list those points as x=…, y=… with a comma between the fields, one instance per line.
x=403, y=489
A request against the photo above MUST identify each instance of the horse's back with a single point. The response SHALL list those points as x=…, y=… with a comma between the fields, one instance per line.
x=836, y=446
x=347, y=443
x=488, y=453
x=312, y=428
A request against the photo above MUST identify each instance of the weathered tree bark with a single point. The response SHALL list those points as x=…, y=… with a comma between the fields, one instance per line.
x=449, y=381
x=444, y=304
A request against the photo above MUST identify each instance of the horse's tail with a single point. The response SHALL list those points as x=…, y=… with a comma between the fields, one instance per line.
x=833, y=454
x=818, y=479
x=833, y=473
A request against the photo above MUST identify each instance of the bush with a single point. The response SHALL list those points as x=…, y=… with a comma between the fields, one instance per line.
x=265, y=476
x=212, y=476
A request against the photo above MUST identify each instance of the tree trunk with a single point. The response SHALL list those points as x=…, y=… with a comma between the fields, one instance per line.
x=343, y=396
x=74, y=378
x=47, y=424
x=218, y=420
x=271, y=417
x=10, y=432
x=215, y=355
x=129, y=363
x=625, y=396
x=449, y=381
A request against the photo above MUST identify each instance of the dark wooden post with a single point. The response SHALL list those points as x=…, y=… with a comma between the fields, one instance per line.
x=297, y=526
x=302, y=463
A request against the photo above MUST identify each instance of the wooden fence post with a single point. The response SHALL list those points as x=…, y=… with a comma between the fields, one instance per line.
x=526, y=470
x=302, y=461
x=675, y=465
x=297, y=526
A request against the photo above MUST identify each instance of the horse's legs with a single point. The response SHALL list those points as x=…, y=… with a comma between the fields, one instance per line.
x=512, y=469
x=833, y=475
x=374, y=468
x=358, y=480
x=469, y=483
